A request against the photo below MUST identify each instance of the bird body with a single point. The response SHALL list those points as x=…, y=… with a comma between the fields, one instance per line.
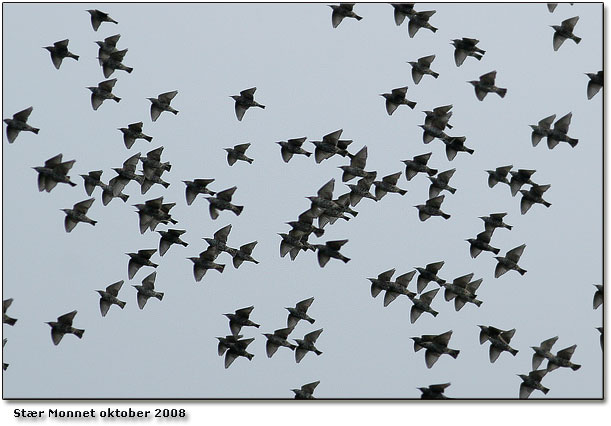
x=299, y=312
x=498, y=175
x=277, y=339
x=132, y=132
x=388, y=184
x=482, y=243
x=162, y=103
x=330, y=250
x=533, y=196
x=330, y=145
x=78, y=214
x=432, y=208
x=485, y=85
x=422, y=304
x=466, y=47
x=62, y=326
x=306, y=345
x=428, y=274
x=306, y=391
x=495, y=220
x=147, y=290
x=59, y=51
x=109, y=297
x=564, y=31
x=169, y=237
x=422, y=67
x=434, y=391
x=53, y=172
x=138, y=260
x=532, y=382
x=418, y=165
x=245, y=100
x=509, y=261
x=419, y=20
x=595, y=83
x=195, y=187
x=97, y=17
x=18, y=124
x=435, y=345
x=222, y=201
x=239, y=319
x=205, y=262
x=238, y=153
x=102, y=92
x=291, y=147
x=344, y=10
x=396, y=98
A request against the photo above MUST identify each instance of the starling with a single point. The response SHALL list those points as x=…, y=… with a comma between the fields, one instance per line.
x=428, y=274
x=5, y=318
x=431, y=132
x=455, y=145
x=598, y=296
x=222, y=201
x=388, y=184
x=418, y=165
x=329, y=250
x=226, y=342
x=102, y=92
x=323, y=200
x=344, y=10
x=274, y=341
x=360, y=190
x=108, y=193
x=147, y=289
x=564, y=31
x=434, y=391
x=152, y=163
x=59, y=51
x=439, y=117
x=419, y=20
x=92, y=179
x=306, y=345
x=422, y=67
x=245, y=100
x=441, y=182
x=532, y=196
x=330, y=145
x=238, y=349
x=551, y=7
x=519, y=178
x=154, y=212
x=292, y=146
x=138, y=260
x=240, y=319
x=162, y=103
x=169, y=237
x=495, y=220
x=292, y=243
x=542, y=129
x=499, y=340
x=19, y=123
x=562, y=359
x=299, y=312
x=197, y=186
x=108, y=46
x=4, y=364
x=305, y=225
x=149, y=181
x=422, y=304
x=396, y=98
x=435, y=347
x=543, y=351
x=481, y=242
x=485, y=85
x=509, y=261
x=204, y=262
x=219, y=241
x=382, y=282
x=431, y=208
x=466, y=47
x=559, y=133
x=125, y=174
x=114, y=62
x=238, y=153
x=62, y=326
x=398, y=287
x=595, y=83
x=462, y=290
x=601, y=331
x=498, y=175
x=243, y=254
x=53, y=172
x=108, y=297
x=357, y=167
x=97, y=17
x=336, y=211
x=306, y=391
x=77, y=214
x=532, y=382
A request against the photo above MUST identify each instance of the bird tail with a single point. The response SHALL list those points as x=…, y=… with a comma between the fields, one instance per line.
x=577, y=39
x=454, y=353
x=411, y=104
x=402, y=191
x=184, y=244
x=470, y=151
x=35, y=130
x=508, y=227
x=435, y=313
x=432, y=172
x=434, y=29
x=117, y=99
x=478, y=303
x=74, y=56
x=307, y=154
x=452, y=190
x=159, y=296
x=445, y=216
x=165, y=184
x=310, y=320
x=571, y=141
x=318, y=232
x=546, y=204
x=250, y=160
x=129, y=70
x=513, y=352
x=71, y=183
x=434, y=74
x=317, y=352
x=521, y=271
x=220, y=268
x=502, y=92
x=9, y=321
x=575, y=367
x=93, y=222
x=124, y=197
x=79, y=333
x=496, y=251
x=544, y=389
x=345, y=259
x=358, y=18
x=238, y=209
x=148, y=138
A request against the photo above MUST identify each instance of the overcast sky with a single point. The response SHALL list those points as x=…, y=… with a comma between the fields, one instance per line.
x=313, y=79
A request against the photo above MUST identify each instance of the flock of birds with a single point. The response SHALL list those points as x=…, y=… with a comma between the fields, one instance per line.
x=324, y=208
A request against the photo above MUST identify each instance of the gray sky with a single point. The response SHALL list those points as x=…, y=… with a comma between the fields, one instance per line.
x=313, y=79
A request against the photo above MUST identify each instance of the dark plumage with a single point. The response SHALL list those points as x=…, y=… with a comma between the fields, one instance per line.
x=77, y=214
x=564, y=31
x=53, y=172
x=434, y=391
x=195, y=187
x=396, y=98
x=495, y=220
x=299, y=312
x=18, y=124
x=306, y=345
x=222, y=201
x=559, y=133
x=162, y=103
x=102, y=92
x=291, y=147
x=532, y=382
x=419, y=20
x=106, y=47
x=241, y=319
x=147, y=290
x=498, y=175
x=114, y=61
x=509, y=261
x=344, y=10
x=485, y=85
x=306, y=391
x=435, y=345
x=277, y=339
x=62, y=326
x=441, y=182
x=59, y=51
x=482, y=243
x=330, y=249
x=462, y=290
x=431, y=208
x=418, y=165
x=429, y=273
x=466, y=47
x=533, y=196
x=330, y=145
x=388, y=184
x=5, y=318
x=499, y=341
x=138, y=260
x=245, y=100
x=97, y=17
x=238, y=152
x=205, y=262
x=595, y=83
x=108, y=297
x=169, y=237
x=598, y=296
x=423, y=67
x=133, y=132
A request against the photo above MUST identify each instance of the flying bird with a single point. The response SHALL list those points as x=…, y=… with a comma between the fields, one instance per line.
x=422, y=304
x=419, y=20
x=434, y=391
x=237, y=349
x=59, y=51
x=454, y=145
x=422, y=67
x=439, y=117
x=306, y=391
x=401, y=10
x=18, y=124
x=564, y=31
x=125, y=174
x=245, y=100
x=107, y=46
x=357, y=167
x=398, y=287
x=62, y=326
x=108, y=297
x=495, y=220
x=498, y=175
x=219, y=240
x=462, y=290
x=388, y=184
x=519, y=178
x=418, y=165
x=360, y=190
x=466, y=47
x=432, y=208
x=243, y=254
x=241, y=319
x=306, y=345
x=169, y=237
x=133, y=132
x=499, y=341
x=277, y=339
x=299, y=312
x=153, y=165
x=532, y=382
x=485, y=85
x=222, y=201
x=441, y=182
x=330, y=250
x=291, y=147
x=138, y=260
x=162, y=103
x=238, y=152
x=542, y=129
x=559, y=133
x=5, y=318
x=428, y=274
x=113, y=62
x=97, y=17
x=382, y=282
x=533, y=196
x=195, y=187
x=344, y=10
x=562, y=359
x=330, y=145
x=598, y=296
x=595, y=83
x=103, y=92
x=509, y=261
x=481, y=243
x=396, y=98
x=53, y=172
x=205, y=262
x=435, y=345
x=77, y=214
x=543, y=351
x=147, y=290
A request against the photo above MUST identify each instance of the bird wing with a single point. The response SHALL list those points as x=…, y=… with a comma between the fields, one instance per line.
x=426, y=60
x=415, y=314
x=428, y=297
x=155, y=154
x=149, y=281
x=569, y=24
x=459, y=302
x=323, y=259
x=114, y=288
x=336, y=18
x=446, y=176
x=311, y=337
x=462, y=281
x=391, y=106
x=566, y=353
x=240, y=110
x=484, y=236
x=495, y=351
x=56, y=336
x=299, y=354
x=155, y=112
x=96, y=101
x=525, y=391
x=309, y=388
x=404, y=279
x=558, y=40
x=83, y=206
x=386, y=275
x=435, y=202
x=283, y=332
x=546, y=123
x=360, y=158
x=499, y=270
x=226, y=194
x=473, y=286
x=104, y=306
x=285, y=248
x=222, y=234
x=326, y=191
x=304, y=305
x=241, y=147
x=488, y=78
x=412, y=28
x=375, y=290
x=69, y=223
x=480, y=94
x=431, y=358
x=167, y=96
x=459, y=56
x=107, y=85
x=515, y=253
x=563, y=123
x=271, y=348
x=336, y=245
x=67, y=318
x=23, y=115
x=416, y=75
x=423, y=158
x=392, y=179
x=244, y=312
x=248, y=93
x=389, y=297
x=229, y=358
x=11, y=134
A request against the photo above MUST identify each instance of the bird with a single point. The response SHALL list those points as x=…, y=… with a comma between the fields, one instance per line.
x=564, y=31
x=62, y=326
x=306, y=345
x=323, y=200
x=97, y=17
x=551, y=7
x=330, y=145
x=418, y=165
x=114, y=61
x=519, y=178
x=395, y=98
x=431, y=132
x=293, y=243
x=432, y=208
x=238, y=152
x=455, y=144
x=219, y=240
x=601, y=330
x=306, y=391
x=531, y=382
x=434, y=391
x=466, y=47
x=245, y=100
x=107, y=46
x=543, y=351
x=222, y=201
x=336, y=210
x=439, y=117
x=152, y=164
x=344, y=10
x=154, y=212
x=360, y=190
x=77, y=214
x=435, y=345
x=125, y=174
x=419, y=20
x=241, y=319
x=305, y=224
x=205, y=262
x=382, y=282
x=299, y=312
x=169, y=237
x=422, y=304
x=108, y=297
x=462, y=290
x=138, y=260
x=441, y=182
x=53, y=172
x=19, y=123
x=398, y=287
x=498, y=175
x=598, y=296
x=243, y=254
x=495, y=220
x=401, y=10
x=195, y=187
x=151, y=180
x=330, y=249
x=542, y=129
x=532, y=196
x=388, y=184
x=237, y=349
x=108, y=193
x=92, y=179
x=133, y=132
x=499, y=340
x=277, y=339
x=481, y=242
x=5, y=318
x=102, y=92
x=428, y=274
x=357, y=167
x=147, y=290
x=562, y=359
x=226, y=342
x=421, y=67
x=509, y=261
x=485, y=85
x=59, y=51
x=4, y=364
x=162, y=103
x=595, y=83
x=291, y=147
x=559, y=133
